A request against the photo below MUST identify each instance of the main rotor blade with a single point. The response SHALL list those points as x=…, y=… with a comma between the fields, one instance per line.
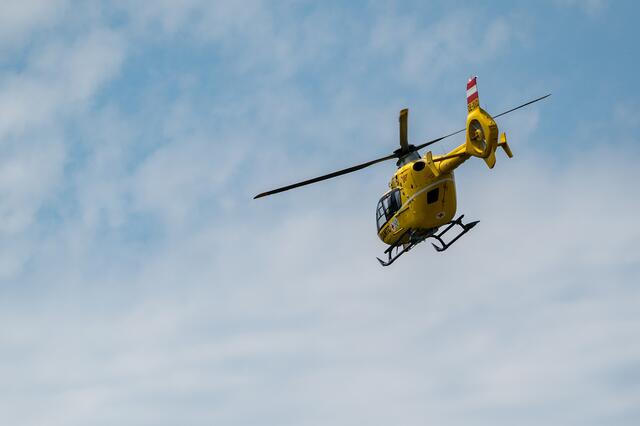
x=327, y=176
x=523, y=105
x=381, y=159
x=404, y=139
x=431, y=142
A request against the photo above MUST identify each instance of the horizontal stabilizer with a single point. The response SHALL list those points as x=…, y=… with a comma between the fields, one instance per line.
x=503, y=143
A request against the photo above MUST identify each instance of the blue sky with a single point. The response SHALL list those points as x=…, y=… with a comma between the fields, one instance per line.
x=141, y=284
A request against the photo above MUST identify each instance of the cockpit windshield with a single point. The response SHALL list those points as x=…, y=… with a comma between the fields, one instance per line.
x=388, y=205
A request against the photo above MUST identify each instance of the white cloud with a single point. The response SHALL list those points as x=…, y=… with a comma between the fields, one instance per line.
x=37, y=102
x=426, y=50
x=276, y=312
x=26, y=177
x=590, y=7
x=58, y=78
x=20, y=19
x=521, y=325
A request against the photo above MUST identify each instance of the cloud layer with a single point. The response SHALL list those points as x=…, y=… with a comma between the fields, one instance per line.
x=141, y=284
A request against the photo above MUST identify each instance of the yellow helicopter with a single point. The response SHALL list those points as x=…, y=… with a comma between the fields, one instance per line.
x=422, y=195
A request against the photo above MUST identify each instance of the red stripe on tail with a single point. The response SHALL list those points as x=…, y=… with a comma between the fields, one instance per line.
x=471, y=82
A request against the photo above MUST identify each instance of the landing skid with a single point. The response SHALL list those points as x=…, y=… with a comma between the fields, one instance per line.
x=465, y=228
x=396, y=250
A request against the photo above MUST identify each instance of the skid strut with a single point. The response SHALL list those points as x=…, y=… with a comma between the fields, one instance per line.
x=465, y=228
x=396, y=250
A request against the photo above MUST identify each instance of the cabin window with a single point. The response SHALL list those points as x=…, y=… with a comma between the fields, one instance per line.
x=388, y=205
x=433, y=195
x=380, y=216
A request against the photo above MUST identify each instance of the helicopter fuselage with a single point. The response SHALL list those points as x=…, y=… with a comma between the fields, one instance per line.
x=418, y=200
x=422, y=194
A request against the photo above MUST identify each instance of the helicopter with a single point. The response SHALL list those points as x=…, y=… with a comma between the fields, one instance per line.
x=421, y=201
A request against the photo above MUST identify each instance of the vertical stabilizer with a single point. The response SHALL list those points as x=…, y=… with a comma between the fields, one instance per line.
x=472, y=94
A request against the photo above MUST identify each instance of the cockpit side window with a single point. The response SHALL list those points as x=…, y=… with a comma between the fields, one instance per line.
x=397, y=200
x=388, y=205
x=380, y=216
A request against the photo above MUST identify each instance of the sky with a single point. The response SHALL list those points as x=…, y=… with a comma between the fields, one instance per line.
x=140, y=283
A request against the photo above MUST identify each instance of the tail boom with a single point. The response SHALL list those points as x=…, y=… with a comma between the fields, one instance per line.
x=481, y=137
